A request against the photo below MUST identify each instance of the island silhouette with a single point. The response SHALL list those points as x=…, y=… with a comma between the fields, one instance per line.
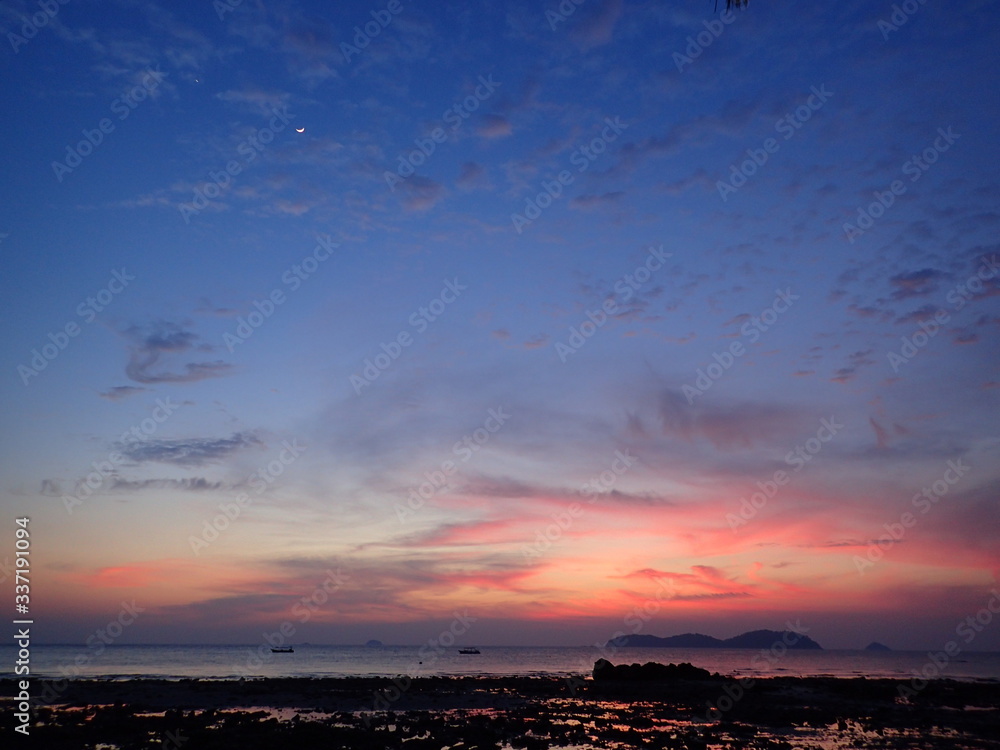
x=751, y=639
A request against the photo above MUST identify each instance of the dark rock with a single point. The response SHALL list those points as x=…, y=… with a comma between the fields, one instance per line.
x=648, y=672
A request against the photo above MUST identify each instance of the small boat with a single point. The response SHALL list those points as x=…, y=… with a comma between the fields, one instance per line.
x=288, y=650
x=469, y=651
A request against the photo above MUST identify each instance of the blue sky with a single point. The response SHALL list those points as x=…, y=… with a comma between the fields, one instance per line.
x=625, y=122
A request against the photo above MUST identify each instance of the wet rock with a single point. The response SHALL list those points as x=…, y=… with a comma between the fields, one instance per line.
x=604, y=670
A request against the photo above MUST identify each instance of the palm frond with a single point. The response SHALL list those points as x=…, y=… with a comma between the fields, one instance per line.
x=730, y=4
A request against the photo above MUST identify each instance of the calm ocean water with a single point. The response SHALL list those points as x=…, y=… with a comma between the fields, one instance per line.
x=334, y=661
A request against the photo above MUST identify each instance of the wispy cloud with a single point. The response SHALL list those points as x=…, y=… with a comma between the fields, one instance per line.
x=119, y=392
x=191, y=452
x=421, y=193
x=494, y=126
x=189, y=484
x=150, y=345
x=916, y=283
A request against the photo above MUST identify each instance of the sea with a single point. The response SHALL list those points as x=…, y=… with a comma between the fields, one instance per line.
x=251, y=661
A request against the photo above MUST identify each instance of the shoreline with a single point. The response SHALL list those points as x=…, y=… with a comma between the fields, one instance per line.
x=531, y=711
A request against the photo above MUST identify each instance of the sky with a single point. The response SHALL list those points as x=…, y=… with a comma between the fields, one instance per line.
x=573, y=319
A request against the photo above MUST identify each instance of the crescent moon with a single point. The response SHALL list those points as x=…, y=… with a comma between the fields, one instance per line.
x=300, y=130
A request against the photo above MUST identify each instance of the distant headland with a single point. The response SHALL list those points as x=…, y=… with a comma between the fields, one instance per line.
x=752, y=639
x=876, y=646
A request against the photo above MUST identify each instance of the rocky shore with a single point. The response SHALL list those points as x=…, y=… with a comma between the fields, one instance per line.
x=673, y=706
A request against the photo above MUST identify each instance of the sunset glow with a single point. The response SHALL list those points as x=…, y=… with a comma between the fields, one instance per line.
x=491, y=316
